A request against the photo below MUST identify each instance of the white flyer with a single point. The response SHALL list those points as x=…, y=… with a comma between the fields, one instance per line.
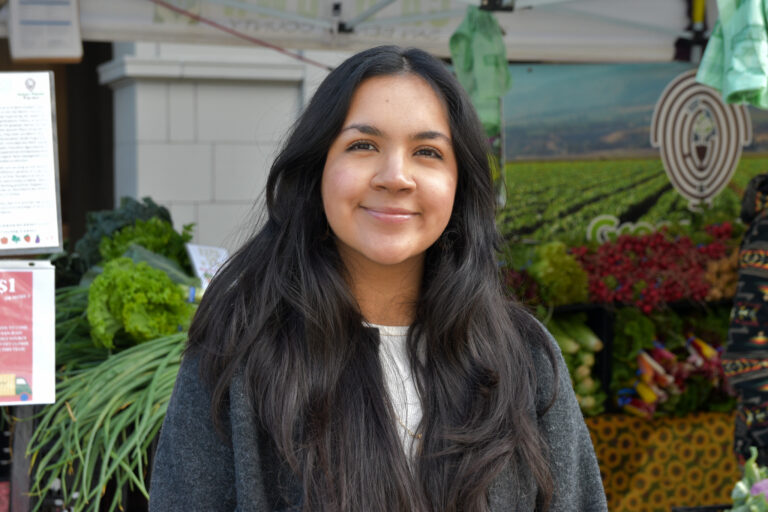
x=30, y=214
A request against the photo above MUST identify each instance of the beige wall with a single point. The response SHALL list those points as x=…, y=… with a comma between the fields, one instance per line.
x=197, y=127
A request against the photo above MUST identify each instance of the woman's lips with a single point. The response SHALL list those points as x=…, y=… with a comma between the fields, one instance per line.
x=390, y=214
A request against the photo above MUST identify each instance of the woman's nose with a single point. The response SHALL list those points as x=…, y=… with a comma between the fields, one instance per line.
x=394, y=174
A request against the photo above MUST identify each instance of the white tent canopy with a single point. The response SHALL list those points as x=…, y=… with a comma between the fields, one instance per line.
x=537, y=30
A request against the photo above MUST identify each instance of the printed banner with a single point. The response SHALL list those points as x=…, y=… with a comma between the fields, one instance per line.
x=30, y=217
x=594, y=151
x=27, y=333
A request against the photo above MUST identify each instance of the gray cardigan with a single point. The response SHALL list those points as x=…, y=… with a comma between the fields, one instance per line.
x=195, y=470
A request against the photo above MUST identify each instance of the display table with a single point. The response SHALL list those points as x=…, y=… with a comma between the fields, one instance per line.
x=652, y=466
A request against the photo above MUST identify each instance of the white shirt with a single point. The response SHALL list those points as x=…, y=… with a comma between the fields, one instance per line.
x=400, y=382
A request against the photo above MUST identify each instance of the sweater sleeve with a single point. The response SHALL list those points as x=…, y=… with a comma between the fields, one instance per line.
x=193, y=466
x=575, y=473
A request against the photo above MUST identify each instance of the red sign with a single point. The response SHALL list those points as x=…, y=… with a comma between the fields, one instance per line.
x=16, y=356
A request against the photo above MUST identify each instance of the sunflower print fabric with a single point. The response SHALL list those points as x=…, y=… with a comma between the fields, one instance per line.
x=652, y=466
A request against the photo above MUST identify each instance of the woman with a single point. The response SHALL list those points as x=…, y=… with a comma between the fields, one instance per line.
x=357, y=354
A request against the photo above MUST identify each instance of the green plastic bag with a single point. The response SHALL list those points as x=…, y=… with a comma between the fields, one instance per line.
x=480, y=61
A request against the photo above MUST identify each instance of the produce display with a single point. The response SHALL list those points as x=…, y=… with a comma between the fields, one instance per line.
x=98, y=433
x=649, y=271
x=722, y=276
x=120, y=333
x=126, y=296
x=661, y=275
x=661, y=364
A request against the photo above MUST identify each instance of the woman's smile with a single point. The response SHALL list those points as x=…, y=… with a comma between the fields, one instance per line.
x=387, y=214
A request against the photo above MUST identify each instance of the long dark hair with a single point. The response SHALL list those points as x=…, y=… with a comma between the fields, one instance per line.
x=281, y=312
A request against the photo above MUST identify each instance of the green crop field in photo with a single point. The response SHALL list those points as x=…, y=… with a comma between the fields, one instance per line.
x=549, y=200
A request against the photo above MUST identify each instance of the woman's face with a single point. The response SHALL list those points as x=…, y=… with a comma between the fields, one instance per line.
x=389, y=179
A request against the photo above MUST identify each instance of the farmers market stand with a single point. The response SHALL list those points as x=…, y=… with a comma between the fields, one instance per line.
x=630, y=449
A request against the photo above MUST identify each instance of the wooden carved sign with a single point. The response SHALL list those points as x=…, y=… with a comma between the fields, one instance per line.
x=700, y=138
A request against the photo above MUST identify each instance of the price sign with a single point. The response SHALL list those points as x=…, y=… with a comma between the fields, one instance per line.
x=27, y=333
x=8, y=285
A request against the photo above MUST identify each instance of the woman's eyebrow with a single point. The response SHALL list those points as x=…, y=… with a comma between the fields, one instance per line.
x=364, y=128
x=368, y=129
x=431, y=135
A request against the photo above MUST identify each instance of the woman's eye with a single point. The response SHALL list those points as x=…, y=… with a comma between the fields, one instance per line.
x=430, y=152
x=361, y=145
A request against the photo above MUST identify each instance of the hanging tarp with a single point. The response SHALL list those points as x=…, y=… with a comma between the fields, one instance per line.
x=736, y=59
x=576, y=30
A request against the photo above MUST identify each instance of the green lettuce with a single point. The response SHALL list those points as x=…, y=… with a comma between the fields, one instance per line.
x=559, y=274
x=104, y=223
x=155, y=234
x=130, y=303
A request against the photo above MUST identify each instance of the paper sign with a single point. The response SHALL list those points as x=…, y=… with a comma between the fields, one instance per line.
x=27, y=333
x=30, y=216
x=45, y=30
x=206, y=260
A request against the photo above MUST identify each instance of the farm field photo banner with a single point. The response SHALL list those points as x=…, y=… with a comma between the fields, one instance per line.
x=30, y=214
x=27, y=332
x=580, y=145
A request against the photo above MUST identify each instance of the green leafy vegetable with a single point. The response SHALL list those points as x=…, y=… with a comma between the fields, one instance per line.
x=633, y=332
x=137, y=253
x=135, y=301
x=560, y=276
x=155, y=234
x=104, y=223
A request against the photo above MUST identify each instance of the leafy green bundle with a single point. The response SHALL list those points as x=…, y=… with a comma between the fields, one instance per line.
x=103, y=224
x=155, y=234
x=560, y=276
x=70, y=266
x=134, y=302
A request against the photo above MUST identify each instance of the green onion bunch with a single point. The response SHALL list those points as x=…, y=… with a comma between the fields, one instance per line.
x=100, y=430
